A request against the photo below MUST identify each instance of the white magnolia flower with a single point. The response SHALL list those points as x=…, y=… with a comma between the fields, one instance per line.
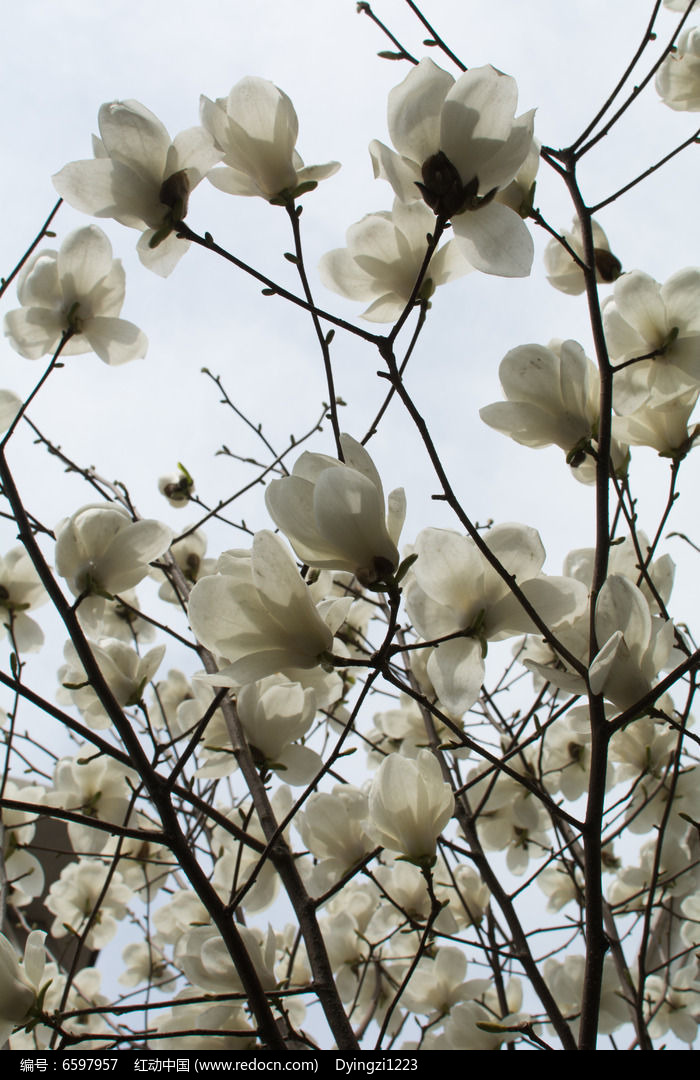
x=260, y=615
x=454, y=590
x=661, y=425
x=410, y=804
x=203, y=957
x=553, y=397
x=19, y=983
x=274, y=713
x=188, y=552
x=673, y=1004
x=126, y=673
x=643, y=317
x=462, y=1031
x=635, y=646
x=239, y=865
x=566, y=980
x=73, y=900
x=383, y=257
x=143, y=963
x=335, y=827
x=565, y=274
x=100, y=549
x=510, y=819
x=20, y=591
x=23, y=871
x=79, y=288
x=437, y=983
x=118, y=618
x=205, y=1017
x=334, y=514
x=140, y=178
x=100, y=788
x=256, y=129
x=678, y=78
x=461, y=143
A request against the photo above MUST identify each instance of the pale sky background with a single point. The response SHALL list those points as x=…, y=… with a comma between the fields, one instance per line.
x=63, y=58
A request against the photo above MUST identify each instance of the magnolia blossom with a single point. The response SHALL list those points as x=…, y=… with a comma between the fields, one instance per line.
x=334, y=513
x=565, y=274
x=125, y=672
x=410, y=804
x=624, y=558
x=20, y=591
x=462, y=1031
x=23, y=871
x=140, y=178
x=19, y=984
x=188, y=552
x=437, y=984
x=335, y=827
x=634, y=646
x=100, y=548
x=205, y=1017
x=274, y=713
x=199, y=953
x=78, y=995
x=661, y=425
x=99, y=787
x=553, y=397
x=145, y=964
x=80, y=895
x=259, y=614
x=461, y=143
x=643, y=317
x=239, y=865
x=510, y=819
x=455, y=591
x=256, y=129
x=678, y=78
x=383, y=257
x=566, y=981
x=79, y=288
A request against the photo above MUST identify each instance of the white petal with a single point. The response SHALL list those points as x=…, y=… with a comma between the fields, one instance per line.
x=495, y=240
x=401, y=173
x=34, y=332
x=115, y=340
x=133, y=135
x=10, y=405
x=414, y=110
x=456, y=670
x=163, y=259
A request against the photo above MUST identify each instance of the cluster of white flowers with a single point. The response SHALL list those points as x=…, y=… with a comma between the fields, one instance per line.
x=186, y=807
